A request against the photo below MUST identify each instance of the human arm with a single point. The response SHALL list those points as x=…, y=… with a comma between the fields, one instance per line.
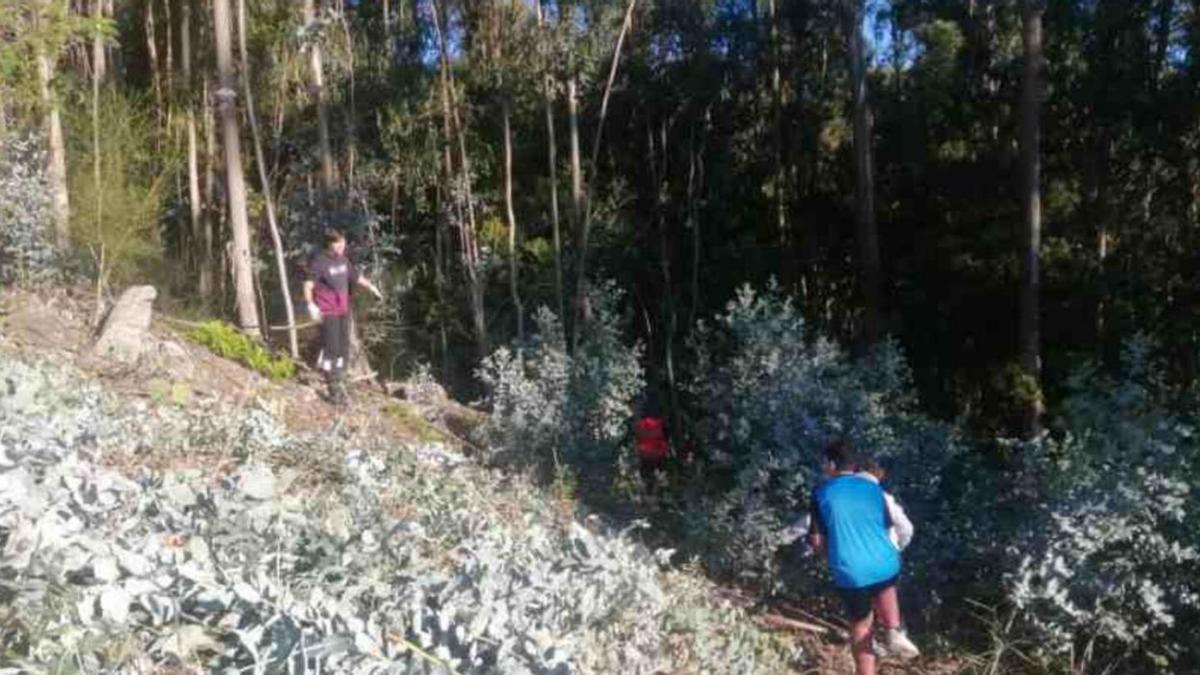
x=816, y=532
x=899, y=520
x=366, y=283
x=314, y=312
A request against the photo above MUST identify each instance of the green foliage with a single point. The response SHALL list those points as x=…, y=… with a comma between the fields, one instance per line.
x=228, y=342
x=27, y=248
x=118, y=221
x=771, y=395
x=32, y=29
x=551, y=408
x=1111, y=543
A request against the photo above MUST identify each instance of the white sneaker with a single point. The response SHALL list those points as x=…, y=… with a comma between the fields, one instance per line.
x=895, y=642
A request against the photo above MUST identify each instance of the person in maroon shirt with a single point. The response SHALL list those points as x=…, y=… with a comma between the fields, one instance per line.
x=331, y=276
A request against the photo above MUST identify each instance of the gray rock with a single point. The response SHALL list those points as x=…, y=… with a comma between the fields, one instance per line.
x=257, y=482
x=124, y=337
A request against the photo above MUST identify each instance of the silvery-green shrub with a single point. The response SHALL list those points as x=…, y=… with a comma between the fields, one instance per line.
x=772, y=394
x=27, y=250
x=1110, y=548
x=554, y=406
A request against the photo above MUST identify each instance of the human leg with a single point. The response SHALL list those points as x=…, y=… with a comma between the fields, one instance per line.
x=334, y=347
x=862, y=646
x=858, y=603
x=895, y=639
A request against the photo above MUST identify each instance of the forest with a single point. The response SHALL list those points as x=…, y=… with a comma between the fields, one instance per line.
x=962, y=233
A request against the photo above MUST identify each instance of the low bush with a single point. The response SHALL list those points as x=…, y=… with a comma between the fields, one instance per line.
x=228, y=342
x=552, y=408
x=1110, y=546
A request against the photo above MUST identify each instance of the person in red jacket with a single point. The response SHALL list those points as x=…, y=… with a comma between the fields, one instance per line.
x=653, y=448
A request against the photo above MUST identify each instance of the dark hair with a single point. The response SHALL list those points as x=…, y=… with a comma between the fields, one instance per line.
x=842, y=454
x=331, y=237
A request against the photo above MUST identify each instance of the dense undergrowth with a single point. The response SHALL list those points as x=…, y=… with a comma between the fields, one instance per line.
x=1086, y=540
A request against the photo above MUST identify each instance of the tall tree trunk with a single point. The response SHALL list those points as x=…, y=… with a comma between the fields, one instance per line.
x=317, y=90
x=581, y=285
x=56, y=154
x=99, y=49
x=169, y=71
x=513, y=265
x=200, y=251
x=261, y=161
x=155, y=74
x=242, y=261
x=870, y=267
x=211, y=202
x=552, y=162
x=467, y=226
x=1030, y=332
x=573, y=130
x=100, y=253
x=781, y=224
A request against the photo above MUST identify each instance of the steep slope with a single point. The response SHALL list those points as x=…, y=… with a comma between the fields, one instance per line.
x=190, y=515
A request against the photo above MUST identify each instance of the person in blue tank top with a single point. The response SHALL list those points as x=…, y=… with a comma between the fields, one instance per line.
x=850, y=524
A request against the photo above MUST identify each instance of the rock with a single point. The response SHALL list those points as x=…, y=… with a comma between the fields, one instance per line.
x=257, y=482
x=126, y=330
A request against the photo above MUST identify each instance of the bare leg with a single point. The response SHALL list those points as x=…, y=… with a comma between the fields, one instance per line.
x=860, y=646
x=887, y=607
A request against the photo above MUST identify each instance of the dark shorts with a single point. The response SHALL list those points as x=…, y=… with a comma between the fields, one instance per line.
x=859, y=601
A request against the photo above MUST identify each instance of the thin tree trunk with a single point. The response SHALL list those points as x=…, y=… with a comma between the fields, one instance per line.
x=439, y=276
x=581, y=286
x=317, y=91
x=661, y=189
x=211, y=211
x=513, y=266
x=576, y=158
x=169, y=71
x=155, y=75
x=56, y=155
x=99, y=52
x=242, y=261
x=101, y=254
x=469, y=242
x=261, y=161
x=870, y=267
x=199, y=254
x=781, y=224
x=552, y=166
x=1030, y=333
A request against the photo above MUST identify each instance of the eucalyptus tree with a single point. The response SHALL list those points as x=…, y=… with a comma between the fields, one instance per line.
x=242, y=260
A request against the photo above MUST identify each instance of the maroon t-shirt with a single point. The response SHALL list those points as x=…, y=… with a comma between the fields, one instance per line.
x=333, y=276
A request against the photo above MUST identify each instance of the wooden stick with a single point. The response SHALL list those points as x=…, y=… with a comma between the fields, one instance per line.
x=784, y=623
